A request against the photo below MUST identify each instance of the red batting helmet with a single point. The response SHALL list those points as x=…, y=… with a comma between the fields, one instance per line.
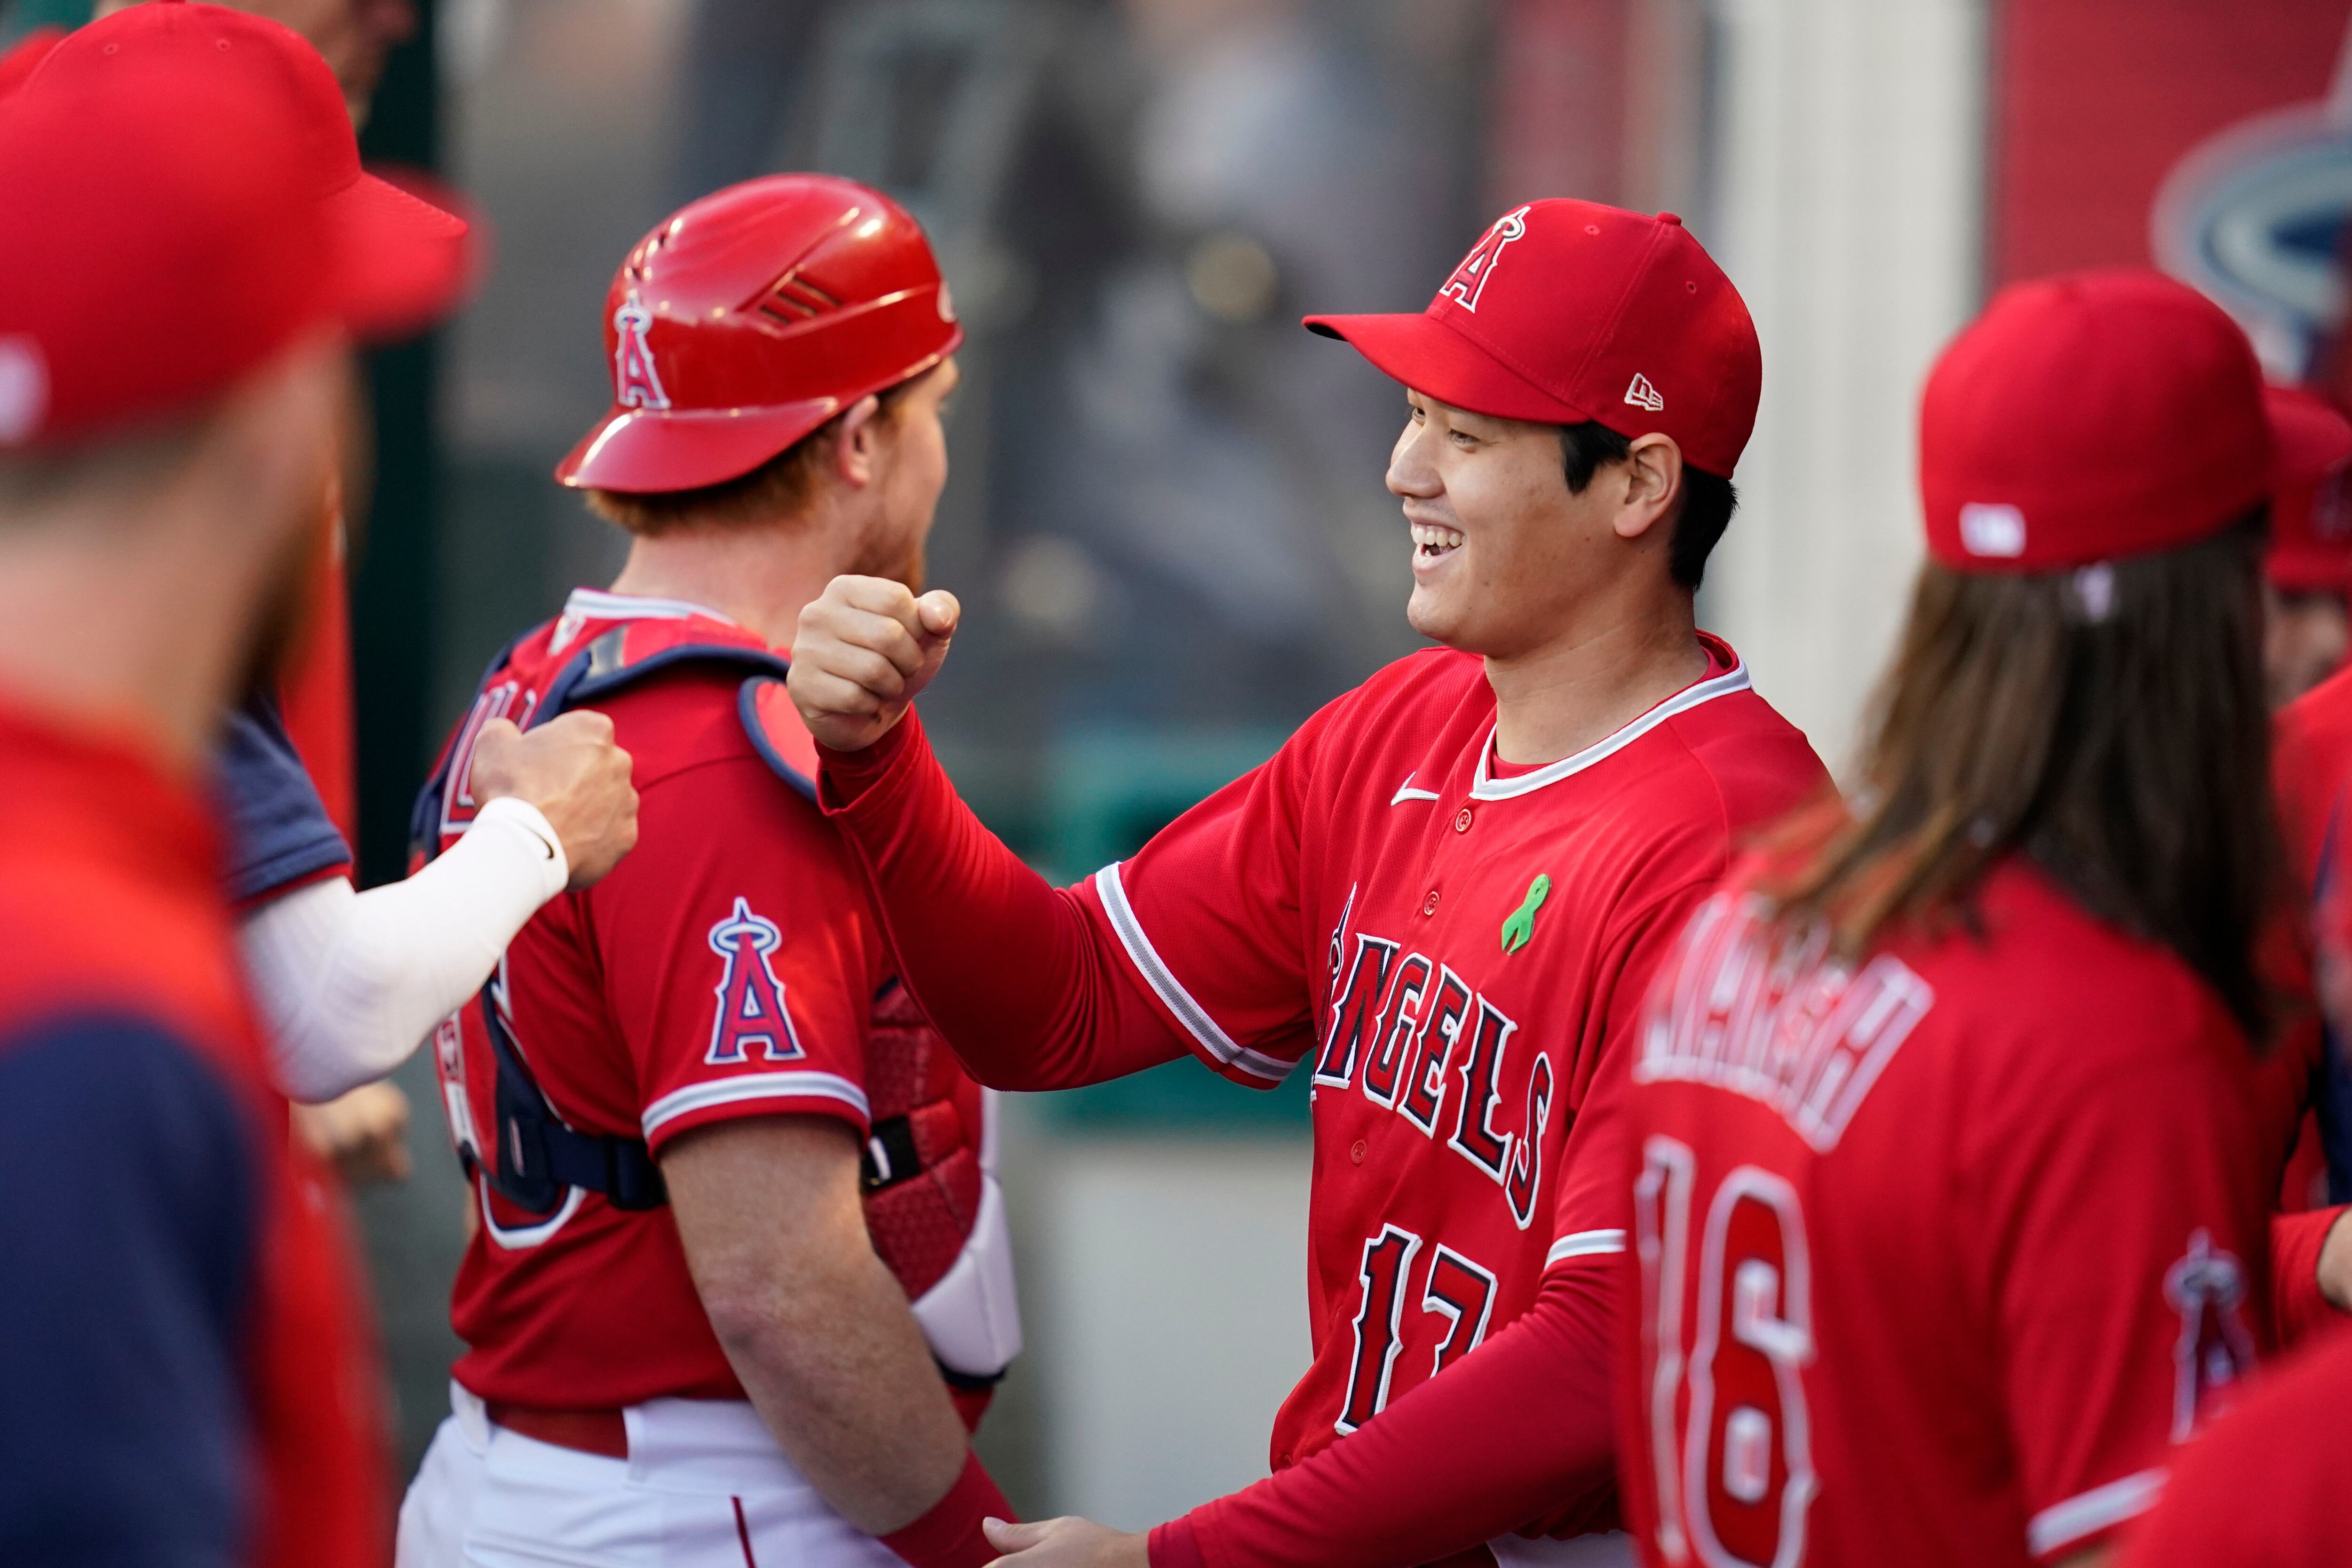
x=749, y=318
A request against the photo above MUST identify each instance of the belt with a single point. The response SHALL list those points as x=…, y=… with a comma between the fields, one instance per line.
x=603, y=1432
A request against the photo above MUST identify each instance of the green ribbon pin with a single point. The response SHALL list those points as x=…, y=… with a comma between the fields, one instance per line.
x=1522, y=923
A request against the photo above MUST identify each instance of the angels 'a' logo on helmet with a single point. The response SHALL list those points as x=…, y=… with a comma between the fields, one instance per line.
x=1469, y=280
x=636, y=382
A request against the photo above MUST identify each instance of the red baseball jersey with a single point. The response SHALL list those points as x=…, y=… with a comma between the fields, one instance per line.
x=729, y=967
x=1446, y=944
x=1938, y=1254
x=2265, y=1489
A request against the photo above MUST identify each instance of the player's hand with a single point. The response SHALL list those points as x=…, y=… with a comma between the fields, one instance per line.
x=570, y=770
x=1067, y=1543
x=866, y=645
x=363, y=1134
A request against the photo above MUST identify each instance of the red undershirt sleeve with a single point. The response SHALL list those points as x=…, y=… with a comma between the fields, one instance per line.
x=1519, y=1436
x=1028, y=987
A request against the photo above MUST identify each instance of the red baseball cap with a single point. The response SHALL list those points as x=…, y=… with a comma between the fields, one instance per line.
x=2311, y=514
x=1566, y=311
x=2095, y=416
x=185, y=200
x=752, y=316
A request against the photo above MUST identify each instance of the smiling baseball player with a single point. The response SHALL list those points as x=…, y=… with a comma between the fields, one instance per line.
x=1444, y=896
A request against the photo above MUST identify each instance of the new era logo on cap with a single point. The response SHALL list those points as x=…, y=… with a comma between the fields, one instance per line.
x=1992, y=529
x=1642, y=395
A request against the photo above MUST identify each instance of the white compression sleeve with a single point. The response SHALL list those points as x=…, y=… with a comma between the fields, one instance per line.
x=352, y=982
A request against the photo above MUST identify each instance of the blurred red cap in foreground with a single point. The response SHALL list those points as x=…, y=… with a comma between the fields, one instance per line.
x=185, y=201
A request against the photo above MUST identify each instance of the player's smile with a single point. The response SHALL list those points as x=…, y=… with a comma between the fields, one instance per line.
x=1432, y=543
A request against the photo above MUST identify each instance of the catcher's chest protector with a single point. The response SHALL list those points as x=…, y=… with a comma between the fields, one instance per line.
x=929, y=1170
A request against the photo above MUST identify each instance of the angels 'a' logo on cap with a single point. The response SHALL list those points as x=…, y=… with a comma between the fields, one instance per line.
x=636, y=382
x=1469, y=280
x=1642, y=395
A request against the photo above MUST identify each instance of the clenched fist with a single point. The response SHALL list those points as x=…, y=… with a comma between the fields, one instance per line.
x=570, y=770
x=866, y=647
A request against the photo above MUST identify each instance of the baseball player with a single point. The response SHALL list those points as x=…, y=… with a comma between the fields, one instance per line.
x=741, y=1257
x=1949, y=1188
x=184, y=1371
x=1442, y=898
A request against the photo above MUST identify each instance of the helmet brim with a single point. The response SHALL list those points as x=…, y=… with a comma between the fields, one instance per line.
x=645, y=451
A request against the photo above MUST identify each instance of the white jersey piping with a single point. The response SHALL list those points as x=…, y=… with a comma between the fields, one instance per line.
x=597, y=605
x=1485, y=786
x=740, y=1086
x=2086, y=1513
x=1219, y=1046
x=1585, y=1244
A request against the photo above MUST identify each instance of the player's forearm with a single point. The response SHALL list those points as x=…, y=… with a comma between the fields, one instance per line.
x=353, y=983
x=1011, y=970
x=1519, y=1434
x=838, y=1369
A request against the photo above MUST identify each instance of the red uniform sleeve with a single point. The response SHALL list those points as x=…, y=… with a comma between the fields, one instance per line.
x=1519, y=1430
x=2298, y=1309
x=2121, y=1253
x=739, y=966
x=1195, y=944
x=1593, y=1205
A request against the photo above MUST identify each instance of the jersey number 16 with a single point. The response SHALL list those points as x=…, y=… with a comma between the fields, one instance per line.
x=1728, y=1438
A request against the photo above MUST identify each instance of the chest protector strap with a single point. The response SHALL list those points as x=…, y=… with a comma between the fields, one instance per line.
x=536, y=1156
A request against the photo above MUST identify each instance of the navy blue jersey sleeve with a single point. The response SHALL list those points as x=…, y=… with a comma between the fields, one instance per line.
x=279, y=831
x=128, y=1232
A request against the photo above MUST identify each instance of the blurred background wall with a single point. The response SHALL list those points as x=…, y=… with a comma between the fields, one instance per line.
x=1167, y=517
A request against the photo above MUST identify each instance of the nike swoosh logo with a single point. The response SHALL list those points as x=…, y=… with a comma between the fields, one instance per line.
x=1405, y=791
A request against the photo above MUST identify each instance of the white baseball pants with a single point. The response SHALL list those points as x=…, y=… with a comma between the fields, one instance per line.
x=704, y=1486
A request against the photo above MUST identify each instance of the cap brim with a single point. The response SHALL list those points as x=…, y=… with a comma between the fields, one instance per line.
x=404, y=262
x=2309, y=439
x=644, y=451
x=1433, y=359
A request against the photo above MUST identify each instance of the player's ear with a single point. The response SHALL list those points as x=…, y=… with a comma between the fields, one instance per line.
x=856, y=444
x=1653, y=478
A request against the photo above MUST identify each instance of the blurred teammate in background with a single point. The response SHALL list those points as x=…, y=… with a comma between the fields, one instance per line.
x=185, y=1370
x=740, y=1255
x=1443, y=897
x=1949, y=1184
x=2307, y=573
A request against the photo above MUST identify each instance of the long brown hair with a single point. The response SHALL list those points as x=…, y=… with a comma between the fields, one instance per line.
x=2108, y=722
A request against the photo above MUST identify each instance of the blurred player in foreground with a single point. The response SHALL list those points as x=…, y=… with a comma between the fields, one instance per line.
x=1442, y=898
x=1950, y=1189
x=740, y=1255
x=185, y=1373
x=352, y=984
x=2307, y=573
